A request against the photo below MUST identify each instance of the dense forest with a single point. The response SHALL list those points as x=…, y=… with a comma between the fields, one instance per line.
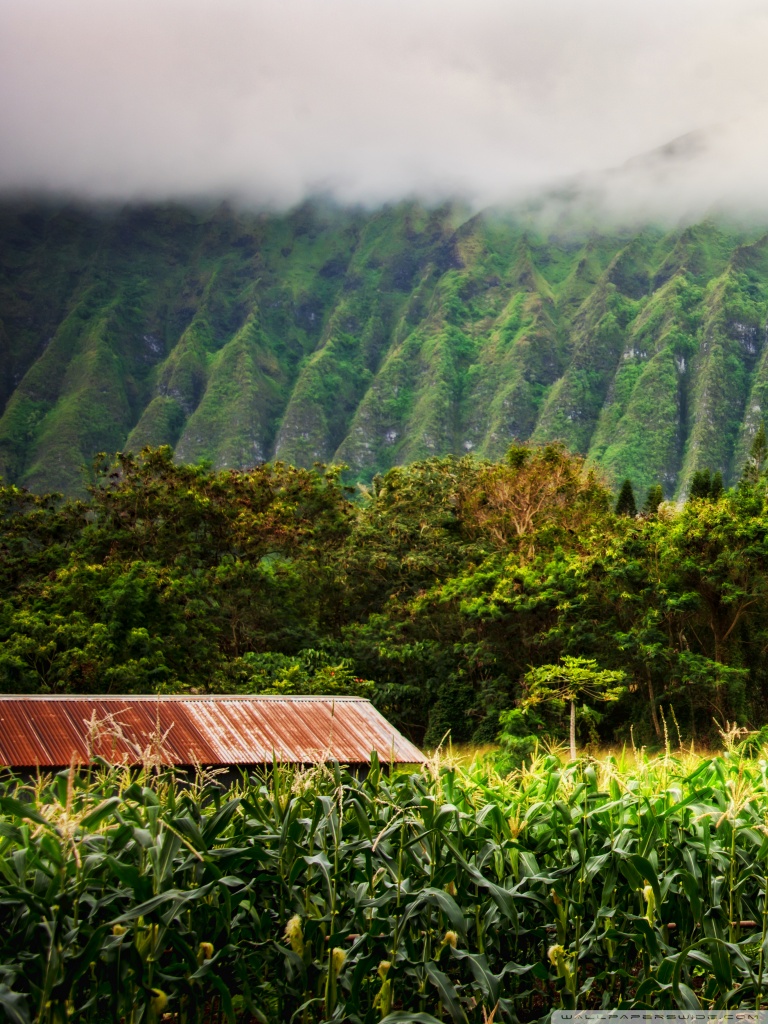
x=440, y=591
x=376, y=338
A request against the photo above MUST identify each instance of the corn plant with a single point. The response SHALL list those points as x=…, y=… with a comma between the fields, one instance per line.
x=444, y=893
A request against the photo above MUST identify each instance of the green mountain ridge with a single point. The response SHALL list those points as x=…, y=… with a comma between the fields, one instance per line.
x=375, y=339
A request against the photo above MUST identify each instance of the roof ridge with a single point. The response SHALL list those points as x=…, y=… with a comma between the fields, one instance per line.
x=183, y=696
x=214, y=729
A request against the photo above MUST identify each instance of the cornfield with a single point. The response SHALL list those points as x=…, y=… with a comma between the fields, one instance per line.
x=445, y=893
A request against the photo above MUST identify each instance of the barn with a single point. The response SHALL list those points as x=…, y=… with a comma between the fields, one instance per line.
x=221, y=731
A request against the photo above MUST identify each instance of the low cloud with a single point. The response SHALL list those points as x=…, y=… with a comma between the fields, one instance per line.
x=269, y=101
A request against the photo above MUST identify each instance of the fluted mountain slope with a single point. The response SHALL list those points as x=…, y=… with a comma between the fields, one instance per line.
x=375, y=338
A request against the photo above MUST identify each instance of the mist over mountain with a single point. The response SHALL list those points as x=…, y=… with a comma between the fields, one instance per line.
x=269, y=104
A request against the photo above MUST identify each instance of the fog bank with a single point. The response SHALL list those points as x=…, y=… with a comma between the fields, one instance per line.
x=269, y=101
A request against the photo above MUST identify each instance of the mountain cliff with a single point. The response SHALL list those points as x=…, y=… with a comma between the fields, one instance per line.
x=375, y=338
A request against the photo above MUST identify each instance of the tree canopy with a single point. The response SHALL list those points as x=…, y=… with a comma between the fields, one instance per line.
x=443, y=590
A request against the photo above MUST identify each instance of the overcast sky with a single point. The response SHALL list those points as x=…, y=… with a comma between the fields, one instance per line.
x=370, y=100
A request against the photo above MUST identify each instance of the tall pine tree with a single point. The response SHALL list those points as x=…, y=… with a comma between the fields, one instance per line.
x=653, y=500
x=626, y=505
x=701, y=485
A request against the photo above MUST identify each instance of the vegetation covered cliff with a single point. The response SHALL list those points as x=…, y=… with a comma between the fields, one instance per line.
x=375, y=339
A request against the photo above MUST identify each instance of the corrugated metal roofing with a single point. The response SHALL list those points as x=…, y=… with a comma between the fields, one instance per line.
x=213, y=730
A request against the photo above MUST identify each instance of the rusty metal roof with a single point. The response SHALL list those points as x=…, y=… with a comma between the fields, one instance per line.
x=212, y=730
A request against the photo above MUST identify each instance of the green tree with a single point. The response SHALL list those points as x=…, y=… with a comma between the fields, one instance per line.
x=626, y=505
x=706, y=486
x=573, y=681
x=653, y=500
x=700, y=485
x=713, y=560
x=758, y=452
x=447, y=567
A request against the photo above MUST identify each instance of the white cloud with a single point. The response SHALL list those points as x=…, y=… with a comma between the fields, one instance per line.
x=371, y=100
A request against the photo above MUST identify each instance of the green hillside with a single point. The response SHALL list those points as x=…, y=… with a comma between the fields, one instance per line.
x=374, y=339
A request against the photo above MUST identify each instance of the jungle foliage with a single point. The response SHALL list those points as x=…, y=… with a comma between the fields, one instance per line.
x=441, y=591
